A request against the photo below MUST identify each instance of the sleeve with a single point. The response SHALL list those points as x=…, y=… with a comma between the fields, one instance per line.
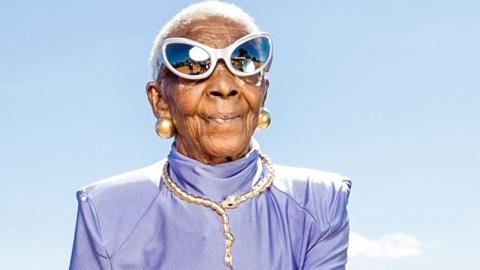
x=88, y=252
x=329, y=252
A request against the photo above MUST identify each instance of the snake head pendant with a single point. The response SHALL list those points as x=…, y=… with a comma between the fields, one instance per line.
x=230, y=202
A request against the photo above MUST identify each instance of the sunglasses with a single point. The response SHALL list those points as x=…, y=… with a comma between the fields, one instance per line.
x=193, y=60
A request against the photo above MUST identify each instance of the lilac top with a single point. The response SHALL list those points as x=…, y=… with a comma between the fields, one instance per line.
x=132, y=221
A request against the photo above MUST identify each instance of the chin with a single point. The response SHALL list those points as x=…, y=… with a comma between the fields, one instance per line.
x=226, y=147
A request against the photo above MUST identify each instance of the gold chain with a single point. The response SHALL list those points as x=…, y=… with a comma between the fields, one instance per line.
x=230, y=202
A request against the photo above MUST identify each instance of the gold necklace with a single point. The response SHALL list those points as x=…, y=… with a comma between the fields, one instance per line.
x=229, y=202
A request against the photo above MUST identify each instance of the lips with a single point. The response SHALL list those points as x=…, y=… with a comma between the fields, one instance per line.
x=224, y=118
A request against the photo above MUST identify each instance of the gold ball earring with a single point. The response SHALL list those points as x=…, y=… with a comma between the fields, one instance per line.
x=264, y=118
x=165, y=127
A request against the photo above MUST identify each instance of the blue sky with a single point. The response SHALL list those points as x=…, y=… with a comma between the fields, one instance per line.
x=385, y=92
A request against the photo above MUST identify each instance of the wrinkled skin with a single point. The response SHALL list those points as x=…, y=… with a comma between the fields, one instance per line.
x=195, y=106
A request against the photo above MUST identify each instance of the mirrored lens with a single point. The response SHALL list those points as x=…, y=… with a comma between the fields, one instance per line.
x=251, y=55
x=187, y=59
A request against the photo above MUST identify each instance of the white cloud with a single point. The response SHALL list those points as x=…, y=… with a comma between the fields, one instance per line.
x=390, y=246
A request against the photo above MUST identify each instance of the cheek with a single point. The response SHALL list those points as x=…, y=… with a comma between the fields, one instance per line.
x=252, y=120
x=183, y=101
x=254, y=99
x=254, y=96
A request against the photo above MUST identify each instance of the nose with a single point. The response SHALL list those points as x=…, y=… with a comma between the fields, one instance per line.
x=222, y=83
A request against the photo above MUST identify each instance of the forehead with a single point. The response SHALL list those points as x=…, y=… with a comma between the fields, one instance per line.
x=215, y=31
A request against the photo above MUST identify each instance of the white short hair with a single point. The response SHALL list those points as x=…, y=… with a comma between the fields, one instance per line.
x=195, y=12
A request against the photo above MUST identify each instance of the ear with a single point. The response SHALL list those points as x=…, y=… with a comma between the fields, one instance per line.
x=266, y=83
x=157, y=100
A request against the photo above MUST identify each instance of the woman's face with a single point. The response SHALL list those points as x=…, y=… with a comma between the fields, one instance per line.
x=215, y=117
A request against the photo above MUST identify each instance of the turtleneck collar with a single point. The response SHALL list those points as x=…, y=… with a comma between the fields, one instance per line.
x=215, y=181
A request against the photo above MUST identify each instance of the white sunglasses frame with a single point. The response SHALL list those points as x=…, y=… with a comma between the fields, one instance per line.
x=214, y=55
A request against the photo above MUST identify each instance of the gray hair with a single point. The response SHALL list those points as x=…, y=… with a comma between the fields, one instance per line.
x=199, y=11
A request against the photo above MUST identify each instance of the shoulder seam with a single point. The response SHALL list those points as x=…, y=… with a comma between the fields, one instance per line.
x=345, y=181
x=97, y=223
x=135, y=226
x=296, y=203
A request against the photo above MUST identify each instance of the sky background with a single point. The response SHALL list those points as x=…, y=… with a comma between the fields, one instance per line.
x=385, y=92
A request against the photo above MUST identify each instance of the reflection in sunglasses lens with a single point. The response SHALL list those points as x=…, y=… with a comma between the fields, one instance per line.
x=187, y=59
x=251, y=55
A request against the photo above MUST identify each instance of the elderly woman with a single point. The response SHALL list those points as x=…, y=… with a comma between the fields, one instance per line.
x=215, y=202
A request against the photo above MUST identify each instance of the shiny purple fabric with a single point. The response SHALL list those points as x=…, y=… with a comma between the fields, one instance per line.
x=131, y=221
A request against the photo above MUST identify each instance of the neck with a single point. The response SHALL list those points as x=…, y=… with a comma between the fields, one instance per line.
x=195, y=151
x=215, y=181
